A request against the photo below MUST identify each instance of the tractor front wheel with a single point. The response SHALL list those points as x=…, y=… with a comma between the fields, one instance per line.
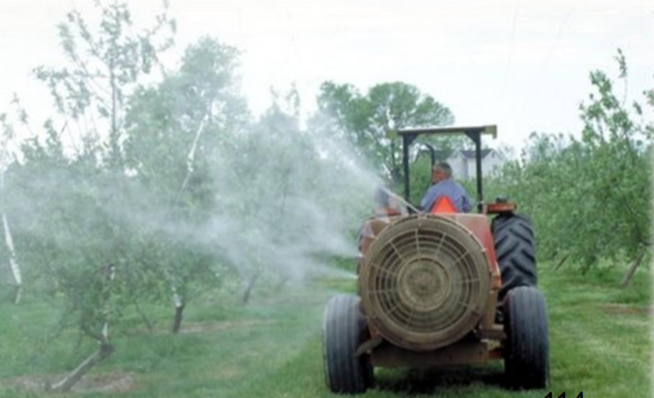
x=344, y=330
x=527, y=356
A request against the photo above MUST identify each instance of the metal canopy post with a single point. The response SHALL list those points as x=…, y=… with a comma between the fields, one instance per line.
x=406, y=141
x=433, y=154
x=474, y=133
x=476, y=138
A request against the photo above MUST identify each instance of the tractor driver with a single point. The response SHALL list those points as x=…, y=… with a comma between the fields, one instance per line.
x=444, y=185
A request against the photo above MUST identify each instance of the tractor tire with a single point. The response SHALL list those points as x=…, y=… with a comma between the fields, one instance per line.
x=515, y=248
x=527, y=356
x=344, y=330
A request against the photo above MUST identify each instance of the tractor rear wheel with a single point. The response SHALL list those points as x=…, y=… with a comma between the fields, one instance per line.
x=526, y=360
x=344, y=330
x=516, y=251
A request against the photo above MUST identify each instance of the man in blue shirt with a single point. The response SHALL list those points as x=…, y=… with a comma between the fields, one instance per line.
x=444, y=185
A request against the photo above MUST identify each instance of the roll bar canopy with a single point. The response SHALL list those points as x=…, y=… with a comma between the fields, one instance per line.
x=474, y=133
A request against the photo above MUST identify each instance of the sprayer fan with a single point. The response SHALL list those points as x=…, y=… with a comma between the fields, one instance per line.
x=425, y=282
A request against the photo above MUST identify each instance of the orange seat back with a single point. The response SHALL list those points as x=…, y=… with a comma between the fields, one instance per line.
x=444, y=205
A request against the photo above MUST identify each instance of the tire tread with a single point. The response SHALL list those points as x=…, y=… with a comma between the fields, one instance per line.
x=344, y=330
x=527, y=362
x=515, y=250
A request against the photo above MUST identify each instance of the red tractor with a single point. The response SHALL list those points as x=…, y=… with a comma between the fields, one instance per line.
x=441, y=288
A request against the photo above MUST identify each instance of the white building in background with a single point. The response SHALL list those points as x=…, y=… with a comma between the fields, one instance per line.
x=463, y=163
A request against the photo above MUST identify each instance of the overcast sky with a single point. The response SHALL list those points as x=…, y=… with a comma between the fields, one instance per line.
x=522, y=65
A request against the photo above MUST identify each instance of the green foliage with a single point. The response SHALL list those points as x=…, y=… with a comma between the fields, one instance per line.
x=420, y=178
x=187, y=194
x=79, y=220
x=370, y=122
x=590, y=197
x=74, y=246
x=286, y=196
x=175, y=127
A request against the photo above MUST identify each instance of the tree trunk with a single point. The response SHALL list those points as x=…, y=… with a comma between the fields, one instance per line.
x=15, y=269
x=71, y=379
x=114, y=139
x=190, y=158
x=18, y=294
x=249, y=287
x=179, y=313
x=104, y=351
x=626, y=279
x=563, y=260
x=144, y=317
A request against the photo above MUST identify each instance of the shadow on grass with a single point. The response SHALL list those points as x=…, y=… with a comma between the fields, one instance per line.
x=429, y=381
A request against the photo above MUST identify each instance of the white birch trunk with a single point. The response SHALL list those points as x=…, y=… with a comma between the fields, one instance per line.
x=190, y=158
x=178, y=301
x=15, y=268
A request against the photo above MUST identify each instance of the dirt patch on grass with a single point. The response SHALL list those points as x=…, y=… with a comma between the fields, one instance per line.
x=112, y=382
x=621, y=309
x=225, y=372
x=205, y=327
x=210, y=327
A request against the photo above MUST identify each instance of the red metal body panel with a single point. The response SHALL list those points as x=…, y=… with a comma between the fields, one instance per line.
x=478, y=225
x=501, y=207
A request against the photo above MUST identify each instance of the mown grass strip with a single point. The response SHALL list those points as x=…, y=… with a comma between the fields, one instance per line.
x=600, y=344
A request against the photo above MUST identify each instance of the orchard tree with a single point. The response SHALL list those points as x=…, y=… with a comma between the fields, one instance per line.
x=8, y=255
x=617, y=138
x=174, y=129
x=590, y=197
x=74, y=248
x=286, y=198
x=73, y=220
x=257, y=181
x=104, y=64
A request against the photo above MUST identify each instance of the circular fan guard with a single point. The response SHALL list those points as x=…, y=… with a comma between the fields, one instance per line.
x=425, y=282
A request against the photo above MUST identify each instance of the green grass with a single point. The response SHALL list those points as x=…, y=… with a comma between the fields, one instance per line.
x=599, y=336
